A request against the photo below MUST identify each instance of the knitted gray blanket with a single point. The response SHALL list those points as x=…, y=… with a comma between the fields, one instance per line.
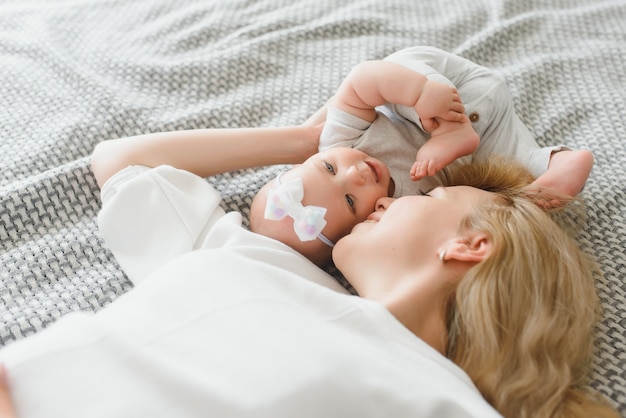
x=74, y=73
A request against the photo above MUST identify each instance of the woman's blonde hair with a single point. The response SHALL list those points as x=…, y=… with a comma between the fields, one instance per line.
x=521, y=322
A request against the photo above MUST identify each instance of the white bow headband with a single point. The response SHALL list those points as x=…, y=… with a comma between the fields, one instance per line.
x=285, y=199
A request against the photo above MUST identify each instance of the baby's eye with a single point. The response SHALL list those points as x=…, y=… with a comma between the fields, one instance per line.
x=350, y=202
x=329, y=167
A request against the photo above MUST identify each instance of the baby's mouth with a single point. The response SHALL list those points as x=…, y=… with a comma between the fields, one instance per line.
x=374, y=170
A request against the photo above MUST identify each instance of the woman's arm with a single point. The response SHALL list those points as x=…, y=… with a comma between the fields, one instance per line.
x=207, y=152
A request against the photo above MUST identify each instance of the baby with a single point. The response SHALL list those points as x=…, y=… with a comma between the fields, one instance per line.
x=396, y=134
x=375, y=111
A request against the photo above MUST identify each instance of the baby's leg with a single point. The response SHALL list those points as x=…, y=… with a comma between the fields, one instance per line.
x=567, y=172
x=448, y=142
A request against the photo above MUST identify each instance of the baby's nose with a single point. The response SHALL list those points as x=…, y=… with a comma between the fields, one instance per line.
x=355, y=175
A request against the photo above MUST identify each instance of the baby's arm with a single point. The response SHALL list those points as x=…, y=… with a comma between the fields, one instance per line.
x=207, y=152
x=374, y=83
x=438, y=105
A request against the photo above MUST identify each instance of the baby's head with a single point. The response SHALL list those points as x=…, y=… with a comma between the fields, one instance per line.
x=345, y=181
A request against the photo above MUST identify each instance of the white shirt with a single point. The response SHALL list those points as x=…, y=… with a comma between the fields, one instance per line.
x=227, y=323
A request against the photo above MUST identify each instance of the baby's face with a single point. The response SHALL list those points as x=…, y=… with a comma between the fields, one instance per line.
x=346, y=182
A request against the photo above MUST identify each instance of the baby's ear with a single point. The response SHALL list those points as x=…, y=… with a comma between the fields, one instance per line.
x=474, y=248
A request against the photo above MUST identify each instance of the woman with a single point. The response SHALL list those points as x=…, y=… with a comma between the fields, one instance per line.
x=519, y=304
x=242, y=326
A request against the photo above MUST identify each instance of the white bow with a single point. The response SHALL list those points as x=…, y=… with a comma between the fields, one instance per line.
x=285, y=199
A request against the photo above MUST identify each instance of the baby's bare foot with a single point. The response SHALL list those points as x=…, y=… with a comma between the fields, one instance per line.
x=447, y=143
x=567, y=172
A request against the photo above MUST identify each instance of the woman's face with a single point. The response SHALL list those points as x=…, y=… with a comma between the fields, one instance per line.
x=405, y=233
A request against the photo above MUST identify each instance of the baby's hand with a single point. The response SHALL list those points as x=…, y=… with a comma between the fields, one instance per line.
x=439, y=100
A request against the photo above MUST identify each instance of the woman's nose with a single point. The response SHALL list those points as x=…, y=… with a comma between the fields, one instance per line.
x=383, y=203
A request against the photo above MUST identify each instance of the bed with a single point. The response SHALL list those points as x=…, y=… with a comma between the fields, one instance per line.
x=77, y=72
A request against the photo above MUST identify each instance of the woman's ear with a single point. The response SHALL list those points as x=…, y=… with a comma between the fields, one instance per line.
x=473, y=248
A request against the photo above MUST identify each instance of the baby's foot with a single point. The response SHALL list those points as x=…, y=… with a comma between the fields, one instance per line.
x=448, y=142
x=567, y=172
